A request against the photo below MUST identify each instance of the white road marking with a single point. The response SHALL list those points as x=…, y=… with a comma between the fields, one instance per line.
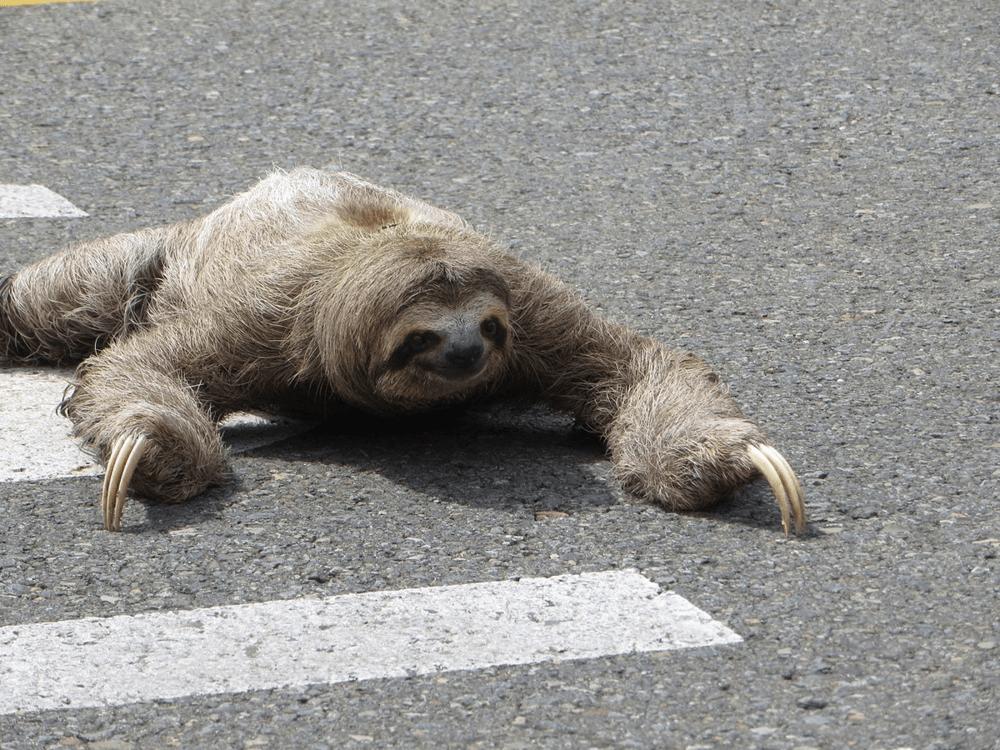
x=4, y=3
x=36, y=443
x=34, y=201
x=162, y=656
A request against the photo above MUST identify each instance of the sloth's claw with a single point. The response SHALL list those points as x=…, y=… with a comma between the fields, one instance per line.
x=120, y=467
x=784, y=483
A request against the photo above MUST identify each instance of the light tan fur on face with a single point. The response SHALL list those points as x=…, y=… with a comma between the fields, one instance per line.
x=311, y=284
x=370, y=289
x=428, y=374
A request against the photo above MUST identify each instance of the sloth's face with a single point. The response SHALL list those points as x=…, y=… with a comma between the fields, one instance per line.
x=437, y=353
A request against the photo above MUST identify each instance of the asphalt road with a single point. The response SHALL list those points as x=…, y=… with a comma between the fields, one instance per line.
x=804, y=193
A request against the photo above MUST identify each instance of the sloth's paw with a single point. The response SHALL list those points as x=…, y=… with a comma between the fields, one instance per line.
x=784, y=483
x=120, y=467
x=169, y=459
x=696, y=464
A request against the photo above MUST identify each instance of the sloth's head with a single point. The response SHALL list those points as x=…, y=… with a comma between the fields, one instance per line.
x=443, y=346
x=413, y=317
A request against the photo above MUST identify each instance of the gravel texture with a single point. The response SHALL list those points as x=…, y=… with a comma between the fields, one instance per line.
x=804, y=193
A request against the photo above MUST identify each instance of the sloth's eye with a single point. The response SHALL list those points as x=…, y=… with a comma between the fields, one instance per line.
x=489, y=327
x=418, y=341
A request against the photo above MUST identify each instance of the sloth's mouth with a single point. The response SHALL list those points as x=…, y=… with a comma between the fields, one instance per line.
x=462, y=372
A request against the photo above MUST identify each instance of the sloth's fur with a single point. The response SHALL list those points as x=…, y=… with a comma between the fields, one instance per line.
x=319, y=285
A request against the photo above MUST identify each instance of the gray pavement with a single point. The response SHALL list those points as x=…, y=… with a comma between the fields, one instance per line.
x=804, y=193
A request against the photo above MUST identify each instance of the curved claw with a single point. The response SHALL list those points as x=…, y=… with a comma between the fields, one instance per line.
x=783, y=481
x=125, y=455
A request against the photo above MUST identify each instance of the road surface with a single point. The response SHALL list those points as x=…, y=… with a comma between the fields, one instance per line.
x=804, y=193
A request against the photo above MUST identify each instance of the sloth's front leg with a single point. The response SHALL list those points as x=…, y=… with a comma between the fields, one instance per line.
x=147, y=425
x=679, y=438
x=674, y=433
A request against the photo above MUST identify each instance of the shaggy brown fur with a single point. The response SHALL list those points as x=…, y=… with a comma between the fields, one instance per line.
x=322, y=285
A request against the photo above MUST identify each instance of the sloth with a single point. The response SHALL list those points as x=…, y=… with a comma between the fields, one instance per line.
x=320, y=286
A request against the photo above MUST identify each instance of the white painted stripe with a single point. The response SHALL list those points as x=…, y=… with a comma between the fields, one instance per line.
x=4, y=3
x=34, y=201
x=159, y=656
x=36, y=443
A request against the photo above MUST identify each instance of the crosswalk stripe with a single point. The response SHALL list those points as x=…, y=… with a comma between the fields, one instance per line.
x=34, y=201
x=36, y=442
x=165, y=655
x=4, y=3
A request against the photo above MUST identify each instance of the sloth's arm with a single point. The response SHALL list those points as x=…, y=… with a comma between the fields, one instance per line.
x=153, y=428
x=71, y=303
x=674, y=433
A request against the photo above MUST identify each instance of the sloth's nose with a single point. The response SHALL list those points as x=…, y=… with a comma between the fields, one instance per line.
x=465, y=356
